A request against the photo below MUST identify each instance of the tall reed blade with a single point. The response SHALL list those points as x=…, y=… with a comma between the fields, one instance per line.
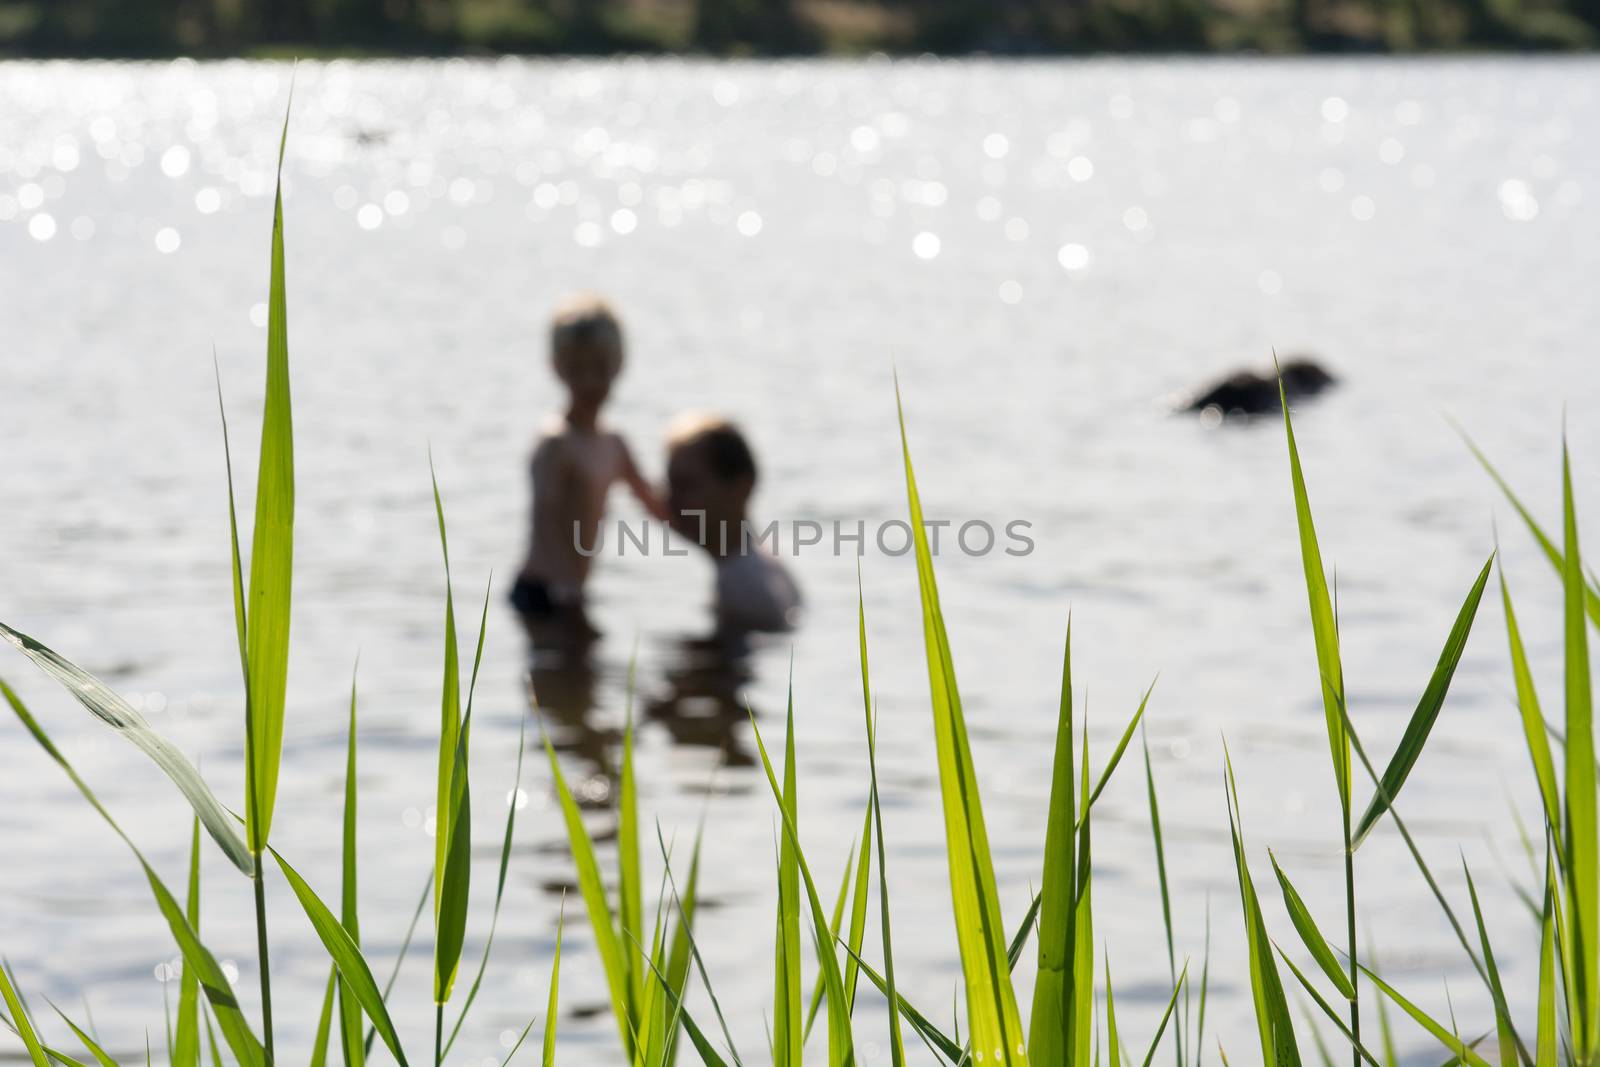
x=354, y=973
x=506, y=837
x=271, y=549
x=993, y=1019
x=1049, y=1025
x=549, y=1057
x=1324, y=629
x=1546, y=1042
x=841, y=1042
x=1534, y=730
x=111, y=709
x=1310, y=935
x=186, y=1046
x=453, y=820
x=100, y=1055
x=1081, y=1026
x=1582, y=847
x=897, y=1050
x=247, y=1051
x=1161, y=881
x=1330, y=669
x=350, y=1036
x=17, y=1019
x=593, y=890
x=1591, y=593
x=1427, y=711
x=630, y=911
x=1446, y=1036
x=1274, y=1024
x=788, y=1031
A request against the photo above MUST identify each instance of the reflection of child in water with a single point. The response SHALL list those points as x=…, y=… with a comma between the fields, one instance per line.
x=711, y=474
x=575, y=462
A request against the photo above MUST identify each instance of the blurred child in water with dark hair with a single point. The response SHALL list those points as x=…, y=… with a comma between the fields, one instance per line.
x=711, y=474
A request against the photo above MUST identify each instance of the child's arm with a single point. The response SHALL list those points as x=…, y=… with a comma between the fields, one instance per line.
x=642, y=489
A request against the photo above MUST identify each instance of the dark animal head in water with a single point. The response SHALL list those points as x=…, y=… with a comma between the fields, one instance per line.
x=1304, y=376
x=1251, y=393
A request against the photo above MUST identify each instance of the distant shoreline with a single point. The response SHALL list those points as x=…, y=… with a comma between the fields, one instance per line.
x=285, y=53
x=784, y=29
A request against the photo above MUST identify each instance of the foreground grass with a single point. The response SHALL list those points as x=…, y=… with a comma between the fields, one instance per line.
x=652, y=973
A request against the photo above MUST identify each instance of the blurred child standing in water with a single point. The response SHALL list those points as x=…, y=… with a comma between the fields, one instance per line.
x=576, y=460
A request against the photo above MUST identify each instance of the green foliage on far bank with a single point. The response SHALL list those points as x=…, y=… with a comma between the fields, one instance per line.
x=153, y=28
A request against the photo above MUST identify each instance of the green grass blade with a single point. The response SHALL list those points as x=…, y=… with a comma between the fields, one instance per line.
x=709, y=1056
x=1117, y=753
x=1416, y=853
x=630, y=912
x=354, y=974
x=447, y=889
x=787, y=1033
x=350, y=1036
x=1049, y=1026
x=1510, y=1046
x=897, y=1050
x=994, y=1022
x=943, y=1044
x=1166, y=1015
x=1310, y=935
x=18, y=1020
x=594, y=898
x=1324, y=626
x=100, y=700
x=213, y=983
x=1581, y=827
x=1161, y=865
x=1082, y=1026
x=1166, y=897
x=1113, y=1039
x=1391, y=1057
x=1591, y=595
x=1445, y=1036
x=1019, y=940
x=499, y=886
x=841, y=1044
x=101, y=1056
x=1328, y=1010
x=271, y=548
x=678, y=955
x=858, y=906
x=522, y=1037
x=1547, y=1048
x=1428, y=708
x=400, y=957
x=186, y=1046
x=1534, y=730
x=211, y=1043
x=1274, y=1024
x=451, y=929
x=330, y=998
x=549, y=1056
x=817, y=989
x=684, y=902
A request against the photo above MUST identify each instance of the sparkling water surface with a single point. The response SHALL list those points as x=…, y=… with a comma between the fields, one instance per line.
x=1044, y=251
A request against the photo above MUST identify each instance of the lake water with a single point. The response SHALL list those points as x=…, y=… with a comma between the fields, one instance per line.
x=1042, y=250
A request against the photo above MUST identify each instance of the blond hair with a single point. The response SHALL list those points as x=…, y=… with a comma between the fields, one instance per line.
x=583, y=328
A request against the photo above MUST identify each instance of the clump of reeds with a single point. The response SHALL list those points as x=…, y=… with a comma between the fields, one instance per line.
x=1071, y=1019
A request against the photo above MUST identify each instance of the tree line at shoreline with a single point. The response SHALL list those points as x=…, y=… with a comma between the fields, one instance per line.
x=149, y=28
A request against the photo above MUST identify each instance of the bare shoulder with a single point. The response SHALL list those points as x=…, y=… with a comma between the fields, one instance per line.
x=552, y=446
